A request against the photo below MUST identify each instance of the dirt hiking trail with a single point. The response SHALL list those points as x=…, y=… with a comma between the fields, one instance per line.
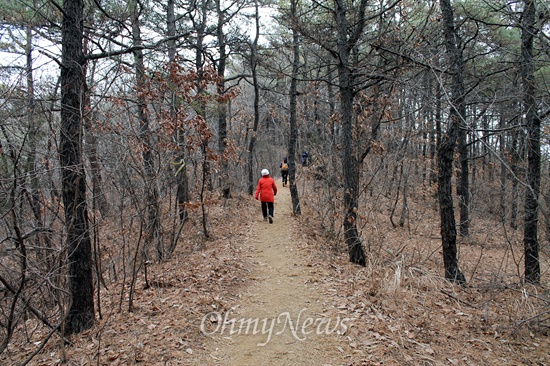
x=280, y=319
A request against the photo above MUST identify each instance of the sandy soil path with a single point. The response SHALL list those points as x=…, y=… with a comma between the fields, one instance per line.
x=280, y=320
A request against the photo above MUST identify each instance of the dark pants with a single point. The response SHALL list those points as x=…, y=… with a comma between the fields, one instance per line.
x=284, y=174
x=267, y=206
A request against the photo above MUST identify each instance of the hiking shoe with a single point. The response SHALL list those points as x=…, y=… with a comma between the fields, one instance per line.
x=270, y=219
x=265, y=218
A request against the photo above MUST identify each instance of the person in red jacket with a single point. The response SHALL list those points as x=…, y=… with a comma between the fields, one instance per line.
x=266, y=192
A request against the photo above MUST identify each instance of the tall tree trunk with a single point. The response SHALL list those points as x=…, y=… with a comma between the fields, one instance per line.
x=503, y=168
x=437, y=117
x=34, y=191
x=431, y=133
x=405, y=208
x=181, y=179
x=153, y=210
x=425, y=126
x=182, y=185
x=296, y=209
x=458, y=109
x=530, y=233
x=351, y=179
x=464, y=183
x=222, y=106
x=447, y=147
x=200, y=29
x=334, y=131
x=45, y=241
x=99, y=201
x=81, y=312
x=515, y=158
x=350, y=164
x=253, y=66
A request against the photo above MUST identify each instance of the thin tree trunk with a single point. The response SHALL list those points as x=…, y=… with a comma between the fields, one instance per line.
x=81, y=311
x=202, y=193
x=253, y=65
x=34, y=191
x=432, y=145
x=21, y=247
x=464, y=184
x=515, y=158
x=438, y=115
x=447, y=147
x=99, y=202
x=405, y=208
x=334, y=130
x=153, y=211
x=425, y=126
x=182, y=190
x=222, y=106
x=530, y=233
x=296, y=209
x=181, y=180
x=200, y=29
x=503, y=168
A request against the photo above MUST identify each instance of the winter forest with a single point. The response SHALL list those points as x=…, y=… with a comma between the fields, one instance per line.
x=133, y=133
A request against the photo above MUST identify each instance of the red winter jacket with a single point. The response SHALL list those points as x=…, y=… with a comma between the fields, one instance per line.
x=266, y=189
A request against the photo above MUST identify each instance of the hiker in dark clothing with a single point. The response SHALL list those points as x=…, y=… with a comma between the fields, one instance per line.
x=284, y=171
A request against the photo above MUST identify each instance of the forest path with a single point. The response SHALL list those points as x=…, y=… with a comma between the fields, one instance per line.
x=279, y=320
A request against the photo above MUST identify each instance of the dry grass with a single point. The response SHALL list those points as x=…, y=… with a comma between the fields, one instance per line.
x=405, y=313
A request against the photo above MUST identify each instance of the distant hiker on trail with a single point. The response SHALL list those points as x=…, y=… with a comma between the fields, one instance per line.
x=284, y=171
x=305, y=158
x=266, y=192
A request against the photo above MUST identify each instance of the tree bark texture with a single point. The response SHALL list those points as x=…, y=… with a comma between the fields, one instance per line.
x=350, y=164
x=81, y=311
x=447, y=147
x=530, y=233
x=222, y=106
x=253, y=66
x=296, y=209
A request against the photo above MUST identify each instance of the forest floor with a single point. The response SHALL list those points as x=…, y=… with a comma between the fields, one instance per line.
x=255, y=293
